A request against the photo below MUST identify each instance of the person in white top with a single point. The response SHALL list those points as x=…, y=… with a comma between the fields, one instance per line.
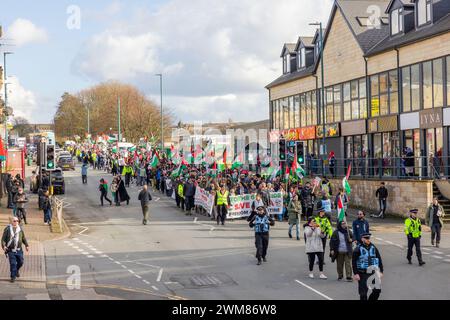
x=314, y=246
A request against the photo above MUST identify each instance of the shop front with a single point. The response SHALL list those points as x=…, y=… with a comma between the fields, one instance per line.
x=333, y=143
x=384, y=154
x=356, y=145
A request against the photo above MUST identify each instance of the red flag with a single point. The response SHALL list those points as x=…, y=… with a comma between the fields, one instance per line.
x=225, y=157
x=294, y=164
x=214, y=167
x=349, y=170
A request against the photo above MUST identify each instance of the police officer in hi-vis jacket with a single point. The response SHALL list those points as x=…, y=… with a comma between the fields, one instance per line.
x=413, y=231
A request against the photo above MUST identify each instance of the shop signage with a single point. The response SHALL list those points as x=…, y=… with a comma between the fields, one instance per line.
x=384, y=124
x=375, y=107
x=353, y=128
x=431, y=118
x=409, y=121
x=331, y=130
x=291, y=134
x=307, y=133
x=447, y=116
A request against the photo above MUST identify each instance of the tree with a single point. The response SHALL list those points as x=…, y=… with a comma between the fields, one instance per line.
x=21, y=126
x=139, y=116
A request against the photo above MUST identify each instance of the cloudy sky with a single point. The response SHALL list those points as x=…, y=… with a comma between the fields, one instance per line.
x=216, y=55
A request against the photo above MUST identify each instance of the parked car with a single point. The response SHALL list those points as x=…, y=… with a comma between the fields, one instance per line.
x=57, y=178
x=66, y=163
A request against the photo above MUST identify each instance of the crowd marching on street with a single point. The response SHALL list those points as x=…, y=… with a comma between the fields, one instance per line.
x=312, y=202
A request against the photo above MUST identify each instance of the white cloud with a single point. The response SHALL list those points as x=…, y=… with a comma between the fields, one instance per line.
x=23, y=32
x=22, y=101
x=208, y=48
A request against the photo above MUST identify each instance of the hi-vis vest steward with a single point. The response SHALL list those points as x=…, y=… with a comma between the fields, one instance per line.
x=413, y=227
x=180, y=190
x=222, y=198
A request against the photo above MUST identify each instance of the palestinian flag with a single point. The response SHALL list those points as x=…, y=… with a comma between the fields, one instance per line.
x=224, y=157
x=177, y=172
x=286, y=176
x=238, y=162
x=340, y=209
x=2, y=151
x=296, y=169
x=155, y=161
x=345, y=183
x=132, y=149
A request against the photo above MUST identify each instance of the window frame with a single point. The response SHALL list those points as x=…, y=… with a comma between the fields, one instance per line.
x=428, y=13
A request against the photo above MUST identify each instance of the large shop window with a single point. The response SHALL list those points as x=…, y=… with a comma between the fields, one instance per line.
x=303, y=109
x=297, y=111
x=384, y=93
x=433, y=84
x=285, y=107
x=411, y=88
x=314, y=107
x=329, y=105
x=448, y=81
x=356, y=148
x=291, y=113
x=386, y=148
x=347, y=102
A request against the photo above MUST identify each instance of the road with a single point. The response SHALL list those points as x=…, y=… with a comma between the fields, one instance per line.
x=181, y=257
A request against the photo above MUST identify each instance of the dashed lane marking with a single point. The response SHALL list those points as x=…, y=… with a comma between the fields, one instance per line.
x=437, y=257
x=426, y=249
x=160, y=275
x=138, y=276
x=314, y=290
x=425, y=253
x=438, y=252
x=155, y=288
x=90, y=256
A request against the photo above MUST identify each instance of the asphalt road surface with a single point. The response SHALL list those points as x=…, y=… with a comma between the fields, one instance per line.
x=181, y=257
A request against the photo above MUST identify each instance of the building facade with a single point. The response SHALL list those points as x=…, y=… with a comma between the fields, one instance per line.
x=386, y=93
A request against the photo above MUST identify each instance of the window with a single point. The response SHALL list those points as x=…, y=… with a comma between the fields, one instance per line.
x=285, y=108
x=317, y=48
x=291, y=113
x=384, y=108
x=314, y=108
x=427, y=85
x=375, y=100
x=347, y=102
x=355, y=101
x=393, y=91
x=302, y=58
x=329, y=105
x=415, y=87
x=362, y=99
x=423, y=10
x=308, y=109
x=303, y=110
x=406, y=88
x=297, y=111
x=448, y=80
x=337, y=103
x=395, y=27
x=438, y=84
x=287, y=63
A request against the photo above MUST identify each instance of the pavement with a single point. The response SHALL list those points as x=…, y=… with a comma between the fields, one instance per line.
x=111, y=255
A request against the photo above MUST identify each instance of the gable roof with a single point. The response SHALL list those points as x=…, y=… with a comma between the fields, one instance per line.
x=390, y=43
x=307, y=41
x=405, y=3
x=290, y=47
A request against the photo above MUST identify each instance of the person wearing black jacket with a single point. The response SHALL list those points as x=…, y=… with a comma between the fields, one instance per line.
x=366, y=262
x=382, y=194
x=341, y=250
x=261, y=222
x=307, y=200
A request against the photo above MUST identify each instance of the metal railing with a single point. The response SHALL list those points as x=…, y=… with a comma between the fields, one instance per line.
x=414, y=168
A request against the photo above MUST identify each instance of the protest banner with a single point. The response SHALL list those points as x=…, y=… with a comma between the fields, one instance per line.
x=204, y=199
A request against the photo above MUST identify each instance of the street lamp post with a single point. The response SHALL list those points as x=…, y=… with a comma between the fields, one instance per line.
x=162, y=119
x=6, y=97
x=322, y=93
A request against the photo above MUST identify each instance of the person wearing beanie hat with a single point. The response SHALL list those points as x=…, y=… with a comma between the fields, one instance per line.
x=413, y=231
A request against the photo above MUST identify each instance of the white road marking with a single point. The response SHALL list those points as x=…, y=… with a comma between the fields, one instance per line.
x=448, y=256
x=437, y=257
x=399, y=246
x=90, y=256
x=124, y=266
x=426, y=249
x=157, y=199
x=438, y=252
x=98, y=252
x=131, y=271
x=160, y=275
x=75, y=247
x=379, y=239
x=86, y=229
x=76, y=239
x=390, y=242
x=195, y=220
x=85, y=253
x=425, y=253
x=80, y=250
x=314, y=290
x=117, y=262
x=155, y=288
x=138, y=276
x=111, y=259
x=447, y=260
x=104, y=256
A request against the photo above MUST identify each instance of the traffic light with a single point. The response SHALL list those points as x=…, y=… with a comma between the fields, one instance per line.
x=50, y=157
x=301, y=153
x=282, y=149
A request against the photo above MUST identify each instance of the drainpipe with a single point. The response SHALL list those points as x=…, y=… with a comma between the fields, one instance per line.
x=368, y=109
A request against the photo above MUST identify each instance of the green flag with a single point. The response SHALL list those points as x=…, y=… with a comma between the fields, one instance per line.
x=155, y=161
x=346, y=186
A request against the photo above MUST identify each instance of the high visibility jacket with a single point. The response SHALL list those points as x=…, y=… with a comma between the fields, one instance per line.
x=367, y=257
x=180, y=190
x=325, y=225
x=127, y=169
x=262, y=224
x=222, y=198
x=413, y=227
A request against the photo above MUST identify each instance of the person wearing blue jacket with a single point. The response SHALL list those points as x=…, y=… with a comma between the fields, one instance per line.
x=360, y=226
x=84, y=170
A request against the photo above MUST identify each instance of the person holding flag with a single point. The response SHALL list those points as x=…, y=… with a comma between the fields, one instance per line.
x=341, y=203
